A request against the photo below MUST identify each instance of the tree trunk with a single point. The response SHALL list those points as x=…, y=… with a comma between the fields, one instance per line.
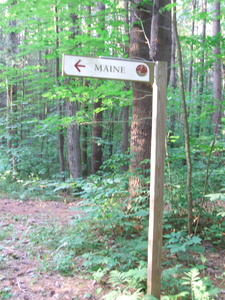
x=191, y=49
x=217, y=68
x=11, y=94
x=97, y=127
x=73, y=143
x=125, y=109
x=186, y=127
x=161, y=33
x=96, y=138
x=172, y=81
x=84, y=148
x=60, y=105
x=125, y=130
x=161, y=40
x=140, y=141
x=202, y=72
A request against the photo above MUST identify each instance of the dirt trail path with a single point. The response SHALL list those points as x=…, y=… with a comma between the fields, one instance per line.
x=20, y=274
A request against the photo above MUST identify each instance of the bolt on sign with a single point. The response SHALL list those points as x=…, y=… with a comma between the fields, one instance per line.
x=108, y=68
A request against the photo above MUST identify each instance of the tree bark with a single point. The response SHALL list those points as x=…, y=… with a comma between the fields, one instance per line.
x=161, y=33
x=84, y=148
x=96, y=138
x=140, y=140
x=125, y=129
x=73, y=143
x=173, y=81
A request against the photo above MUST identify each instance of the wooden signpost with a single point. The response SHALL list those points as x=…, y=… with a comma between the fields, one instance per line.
x=142, y=71
x=157, y=180
x=108, y=68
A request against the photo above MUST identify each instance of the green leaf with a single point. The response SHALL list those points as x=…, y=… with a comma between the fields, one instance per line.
x=168, y=7
x=141, y=213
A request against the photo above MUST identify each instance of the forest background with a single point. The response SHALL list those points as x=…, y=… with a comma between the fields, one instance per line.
x=90, y=138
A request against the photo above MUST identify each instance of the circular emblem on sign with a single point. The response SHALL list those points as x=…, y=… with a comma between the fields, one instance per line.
x=141, y=70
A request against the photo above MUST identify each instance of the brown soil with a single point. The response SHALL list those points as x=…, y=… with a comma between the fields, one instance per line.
x=20, y=273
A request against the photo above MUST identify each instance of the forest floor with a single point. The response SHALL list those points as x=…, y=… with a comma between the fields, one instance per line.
x=21, y=276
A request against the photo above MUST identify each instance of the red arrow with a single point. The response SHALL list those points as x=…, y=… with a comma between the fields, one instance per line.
x=77, y=66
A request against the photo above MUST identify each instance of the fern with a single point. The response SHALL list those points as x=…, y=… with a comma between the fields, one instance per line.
x=191, y=279
x=121, y=282
x=117, y=278
x=201, y=289
x=192, y=276
x=137, y=277
x=99, y=274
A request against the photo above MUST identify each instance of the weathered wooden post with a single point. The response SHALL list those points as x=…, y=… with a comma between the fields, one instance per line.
x=157, y=179
x=141, y=71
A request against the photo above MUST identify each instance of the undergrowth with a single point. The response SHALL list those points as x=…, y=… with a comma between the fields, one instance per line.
x=108, y=238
